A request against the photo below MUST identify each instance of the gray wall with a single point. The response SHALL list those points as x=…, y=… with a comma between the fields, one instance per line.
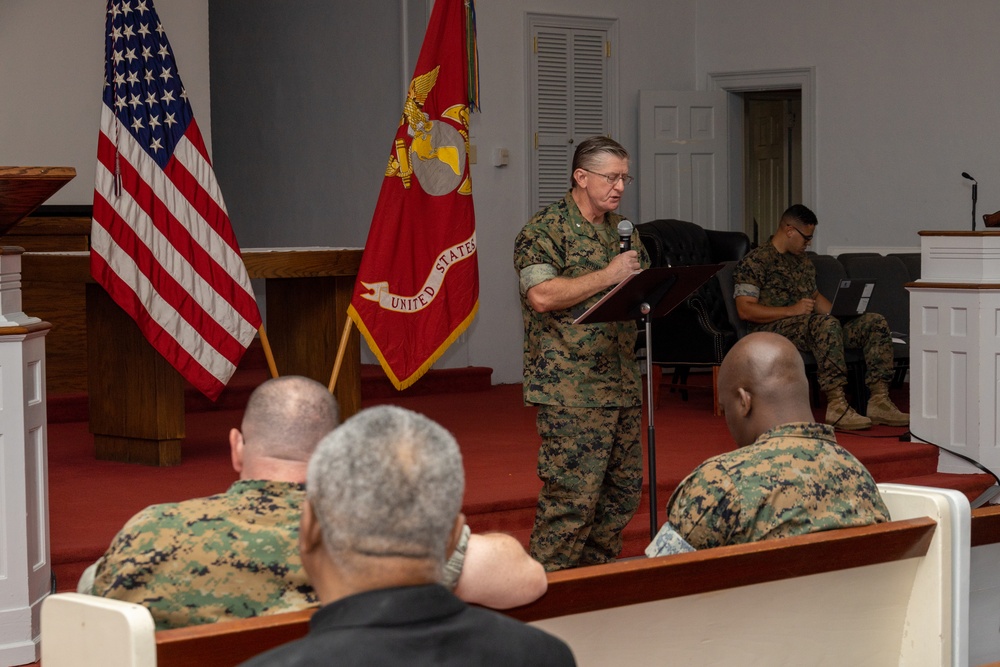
x=906, y=101
x=51, y=77
x=305, y=97
x=305, y=105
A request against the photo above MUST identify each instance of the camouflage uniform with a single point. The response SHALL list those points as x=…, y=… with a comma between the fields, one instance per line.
x=782, y=279
x=232, y=555
x=794, y=479
x=586, y=382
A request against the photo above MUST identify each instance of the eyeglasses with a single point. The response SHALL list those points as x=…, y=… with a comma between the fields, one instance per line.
x=807, y=237
x=612, y=179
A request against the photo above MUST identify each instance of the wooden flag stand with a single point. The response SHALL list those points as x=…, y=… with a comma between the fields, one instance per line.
x=271, y=366
x=341, y=349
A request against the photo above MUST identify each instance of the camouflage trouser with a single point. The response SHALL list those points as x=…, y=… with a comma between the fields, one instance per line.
x=826, y=338
x=590, y=464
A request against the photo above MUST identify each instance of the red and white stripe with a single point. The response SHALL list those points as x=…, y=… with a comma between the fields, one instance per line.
x=165, y=251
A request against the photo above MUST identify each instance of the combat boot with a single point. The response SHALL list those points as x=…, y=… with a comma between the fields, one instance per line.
x=840, y=414
x=881, y=409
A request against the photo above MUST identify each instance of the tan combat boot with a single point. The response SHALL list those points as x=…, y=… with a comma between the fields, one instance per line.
x=881, y=409
x=840, y=414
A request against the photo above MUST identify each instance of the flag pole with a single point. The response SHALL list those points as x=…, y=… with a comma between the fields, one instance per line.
x=267, y=351
x=341, y=349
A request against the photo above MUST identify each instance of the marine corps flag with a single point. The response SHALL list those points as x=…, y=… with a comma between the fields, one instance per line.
x=418, y=285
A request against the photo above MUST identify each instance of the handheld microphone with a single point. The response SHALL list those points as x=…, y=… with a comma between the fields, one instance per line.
x=625, y=228
x=975, y=187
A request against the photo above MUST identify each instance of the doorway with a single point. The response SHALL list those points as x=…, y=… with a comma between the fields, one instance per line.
x=772, y=150
x=737, y=85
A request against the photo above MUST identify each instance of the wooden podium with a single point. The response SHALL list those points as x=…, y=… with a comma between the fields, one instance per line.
x=955, y=346
x=137, y=398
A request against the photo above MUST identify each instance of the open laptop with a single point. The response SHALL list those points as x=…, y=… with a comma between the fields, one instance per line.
x=852, y=298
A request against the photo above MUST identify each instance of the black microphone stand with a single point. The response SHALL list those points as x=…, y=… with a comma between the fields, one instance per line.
x=641, y=297
x=975, y=187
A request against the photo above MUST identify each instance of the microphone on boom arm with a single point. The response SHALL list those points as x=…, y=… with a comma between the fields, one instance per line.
x=975, y=187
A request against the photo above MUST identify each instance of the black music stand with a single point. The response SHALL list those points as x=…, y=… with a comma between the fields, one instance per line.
x=643, y=296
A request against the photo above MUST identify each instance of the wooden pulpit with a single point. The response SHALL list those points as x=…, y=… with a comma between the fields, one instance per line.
x=24, y=522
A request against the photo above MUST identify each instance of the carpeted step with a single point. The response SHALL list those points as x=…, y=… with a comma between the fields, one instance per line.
x=971, y=484
x=375, y=384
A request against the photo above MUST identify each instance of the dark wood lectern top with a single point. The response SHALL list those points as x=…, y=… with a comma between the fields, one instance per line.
x=23, y=189
x=310, y=262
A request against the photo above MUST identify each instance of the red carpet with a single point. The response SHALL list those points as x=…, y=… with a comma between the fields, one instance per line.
x=90, y=500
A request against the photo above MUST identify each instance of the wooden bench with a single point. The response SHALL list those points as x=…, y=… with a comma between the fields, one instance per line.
x=881, y=594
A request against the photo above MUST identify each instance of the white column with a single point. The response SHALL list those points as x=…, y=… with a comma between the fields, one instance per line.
x=25, y=564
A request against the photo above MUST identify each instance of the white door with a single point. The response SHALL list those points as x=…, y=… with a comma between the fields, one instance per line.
x=683, y=165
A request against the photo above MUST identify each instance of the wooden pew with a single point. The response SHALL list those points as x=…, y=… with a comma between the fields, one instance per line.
x=881, y=594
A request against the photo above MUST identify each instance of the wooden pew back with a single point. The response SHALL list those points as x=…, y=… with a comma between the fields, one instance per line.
x=879, y=595
x=882, y=594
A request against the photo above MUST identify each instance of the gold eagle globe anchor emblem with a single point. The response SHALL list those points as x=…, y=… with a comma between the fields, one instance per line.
x=436, y=152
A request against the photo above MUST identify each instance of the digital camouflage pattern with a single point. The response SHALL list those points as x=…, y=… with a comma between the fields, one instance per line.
x=794, y=479
x=228, y=556
x=586, y=380
x=783, y=279
x=580, y=365
x=667, y=542
x=590, y=464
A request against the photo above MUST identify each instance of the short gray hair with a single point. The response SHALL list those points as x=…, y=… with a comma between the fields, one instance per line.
x=387, y=482
x=589, y=152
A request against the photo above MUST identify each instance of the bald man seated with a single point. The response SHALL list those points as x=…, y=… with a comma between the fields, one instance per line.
x=789, y=475
x=235, y=554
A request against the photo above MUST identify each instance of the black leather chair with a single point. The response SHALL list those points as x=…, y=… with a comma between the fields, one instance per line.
x=698, y=333
x=912, y=262
x=890, y=299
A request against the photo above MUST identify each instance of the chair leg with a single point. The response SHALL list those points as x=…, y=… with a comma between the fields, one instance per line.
x=680, y=379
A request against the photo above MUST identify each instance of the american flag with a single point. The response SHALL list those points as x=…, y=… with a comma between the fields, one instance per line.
x=161, y=242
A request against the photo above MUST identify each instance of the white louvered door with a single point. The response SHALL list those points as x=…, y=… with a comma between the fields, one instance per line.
x=569, y=100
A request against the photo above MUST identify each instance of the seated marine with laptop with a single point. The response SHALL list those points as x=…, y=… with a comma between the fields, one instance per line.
x=775, y=290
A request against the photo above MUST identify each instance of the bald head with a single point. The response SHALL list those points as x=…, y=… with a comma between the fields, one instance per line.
x=762, y=384
x=285, y=419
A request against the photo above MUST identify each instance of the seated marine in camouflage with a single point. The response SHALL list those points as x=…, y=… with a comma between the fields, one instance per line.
x=775, y=290
x=235, y=554
x=789, y=476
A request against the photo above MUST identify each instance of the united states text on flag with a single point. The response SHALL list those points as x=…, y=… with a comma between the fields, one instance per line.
x=418, y=284
x=161, y=241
